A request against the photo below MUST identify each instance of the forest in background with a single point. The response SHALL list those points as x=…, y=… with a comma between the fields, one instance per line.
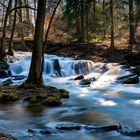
x=74, y=21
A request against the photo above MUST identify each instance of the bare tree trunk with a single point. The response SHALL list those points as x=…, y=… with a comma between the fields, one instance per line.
x=112, y=23
x=35, y=76
x=131, y=22
x=2, y=50
x=104, y=20
x=10, y=49
x=20, y=20
x=94, y=15
x=87, y=23
x=82, y=21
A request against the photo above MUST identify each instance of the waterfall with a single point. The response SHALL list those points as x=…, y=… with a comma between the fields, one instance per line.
x=64, y=67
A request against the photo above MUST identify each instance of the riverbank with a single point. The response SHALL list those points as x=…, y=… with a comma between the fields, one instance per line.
x=47, y=95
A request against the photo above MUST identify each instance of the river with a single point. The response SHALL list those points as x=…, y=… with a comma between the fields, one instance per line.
x=104, y=102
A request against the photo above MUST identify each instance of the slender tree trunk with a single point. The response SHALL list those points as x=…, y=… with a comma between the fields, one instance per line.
x=20, y=20
x=35, y=1
x=87, y=23
x=10, y=49
x=82, y=21
x=3, y=10
x=104, y=20
x=131, y=22
x=2, y=50
x=35, y=76
x=94, y=15
x=112, y=23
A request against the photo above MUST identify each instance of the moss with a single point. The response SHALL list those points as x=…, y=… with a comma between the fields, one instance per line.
x=137, y=70
x=52, y=101
x=34, y=99
x=27, y=85
x=5, y=97
x=63, y=91
x=64, y=95
x=50, y=88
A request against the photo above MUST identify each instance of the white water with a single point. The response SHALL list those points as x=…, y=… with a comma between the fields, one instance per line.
x=105, y=101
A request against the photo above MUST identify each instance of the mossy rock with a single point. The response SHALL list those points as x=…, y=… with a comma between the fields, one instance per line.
x=5, y=97
x=137, y=70
x=34, y=99
x=132, y=80
x=6, y=137
x=85, y=82
x=50, y=88
x=64, y=95
x=63, y=91
x=52, y=101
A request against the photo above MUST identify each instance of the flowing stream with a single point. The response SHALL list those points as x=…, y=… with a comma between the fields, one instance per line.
x=105, y=102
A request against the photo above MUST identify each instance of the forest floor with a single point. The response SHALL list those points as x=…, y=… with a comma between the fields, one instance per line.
x=122, y=53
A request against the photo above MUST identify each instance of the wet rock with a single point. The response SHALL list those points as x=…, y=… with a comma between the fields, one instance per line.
x=7, y=82
x=79, y=77
x=137, y=70
x=47, y=131
x=102, y=128
x=31, y=131
x=125, y=65
x=63, y=93
x=85, y=82
x=57, y=67
x=4, y=69
x=69, y=127
x=93, y=79
x=21, y=77
x=128, y=131
x=131, y=80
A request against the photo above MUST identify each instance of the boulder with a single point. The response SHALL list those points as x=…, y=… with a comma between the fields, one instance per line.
x=79, y=77
x=4, y=70
x=131, y=80
x=137, y=70
x=85, y=82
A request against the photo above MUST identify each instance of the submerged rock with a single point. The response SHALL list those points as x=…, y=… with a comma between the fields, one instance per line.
x=131, y=80
x=68, y=127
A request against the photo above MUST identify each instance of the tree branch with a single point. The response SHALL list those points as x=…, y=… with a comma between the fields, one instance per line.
x=21, y=7
x=3, y=5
